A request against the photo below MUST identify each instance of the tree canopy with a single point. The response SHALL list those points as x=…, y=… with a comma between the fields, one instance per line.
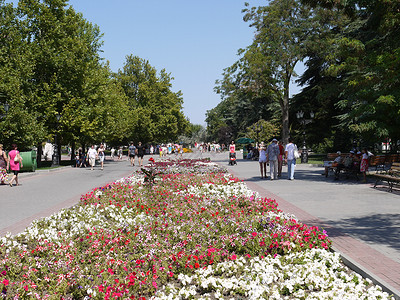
x=50, y=65
x=350, y=50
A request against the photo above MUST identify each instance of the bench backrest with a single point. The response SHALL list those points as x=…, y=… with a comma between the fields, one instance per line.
x=395, y=166
x=377, y=160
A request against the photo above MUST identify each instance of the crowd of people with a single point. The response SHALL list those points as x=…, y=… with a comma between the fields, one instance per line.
x=274, y=155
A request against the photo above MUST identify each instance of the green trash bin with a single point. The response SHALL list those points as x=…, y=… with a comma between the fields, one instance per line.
x=29, y=161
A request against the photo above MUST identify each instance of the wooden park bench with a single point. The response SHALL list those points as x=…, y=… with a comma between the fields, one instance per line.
x=330, y=157
x=392, y=176
x=378, y=162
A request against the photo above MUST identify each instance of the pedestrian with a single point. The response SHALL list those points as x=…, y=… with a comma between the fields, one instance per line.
x=280, y=158
x=112, y=152
x=290, y=158
x=364, y=163
x=232, y=147
x=151, y=150
x=101, y=155
x=82, y=159
x=272, y=158
x=92, y=153
x=120, y=153
x=77, y=159
x=14, y=163
x=262, y=159
x=140, y=153
x=132, y=153
x=180, y=150
x=3, y=165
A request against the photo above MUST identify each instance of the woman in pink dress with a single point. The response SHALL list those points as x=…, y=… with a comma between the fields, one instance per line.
x=14, y=166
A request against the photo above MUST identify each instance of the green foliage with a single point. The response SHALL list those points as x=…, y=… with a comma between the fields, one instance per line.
x=258, y=84
x=362, y=57
x=156, y=111
x=262, y=131
x=50, y=65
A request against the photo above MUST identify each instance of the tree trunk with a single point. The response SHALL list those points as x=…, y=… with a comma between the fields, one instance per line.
x=285, y=112
x=39, y=155
x=59, y=152
x=285, y=120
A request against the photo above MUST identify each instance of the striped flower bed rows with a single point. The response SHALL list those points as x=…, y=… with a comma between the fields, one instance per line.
x=185, y=230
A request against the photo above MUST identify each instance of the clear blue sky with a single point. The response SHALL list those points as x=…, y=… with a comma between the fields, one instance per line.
x=193, y=40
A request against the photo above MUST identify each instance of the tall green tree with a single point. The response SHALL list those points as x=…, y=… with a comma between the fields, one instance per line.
x=20, y=125
x=64, y=49
x=364, y=59
x=283, y=29
x=155, y=110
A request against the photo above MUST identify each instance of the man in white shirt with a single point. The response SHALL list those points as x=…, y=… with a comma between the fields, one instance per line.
x=290, y=159
x=92, y=153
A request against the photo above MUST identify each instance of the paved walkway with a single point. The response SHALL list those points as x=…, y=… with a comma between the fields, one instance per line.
x=45, y=192
x=363, y=222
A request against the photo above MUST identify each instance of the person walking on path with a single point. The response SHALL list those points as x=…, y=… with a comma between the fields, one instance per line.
x=280, y=158
x=232, y=147
x=15, y=164
x=132, y=153
x=364, y=163
x=290, y=159
x=272, y=158
x=262, y=159
x=3, y=165
x=112, y=152
x=92, y=153
x=101, y=154
x=140, y=153
x=120, y=153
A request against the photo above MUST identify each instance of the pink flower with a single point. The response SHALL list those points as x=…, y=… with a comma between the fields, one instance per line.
x=233, y=257
x=254, y=234
x=155, y=284
x=6, y=282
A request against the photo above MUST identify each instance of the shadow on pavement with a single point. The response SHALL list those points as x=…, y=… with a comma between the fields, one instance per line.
x=381, y=229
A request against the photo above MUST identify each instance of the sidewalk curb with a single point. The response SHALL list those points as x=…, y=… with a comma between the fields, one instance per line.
x=386, y=287
x=37, y=172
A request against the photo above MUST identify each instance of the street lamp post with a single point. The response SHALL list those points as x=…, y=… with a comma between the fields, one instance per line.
x=56, y=160
x=304, y=122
